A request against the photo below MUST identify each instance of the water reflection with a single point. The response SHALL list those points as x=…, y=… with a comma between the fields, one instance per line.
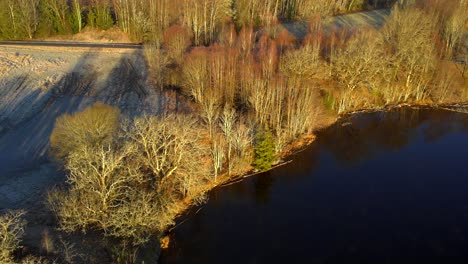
x=375, y=188
x=262, y=186
x=364, y=136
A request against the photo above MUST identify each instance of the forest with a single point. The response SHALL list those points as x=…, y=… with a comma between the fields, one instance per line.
x=258, y=93
x=146, y=20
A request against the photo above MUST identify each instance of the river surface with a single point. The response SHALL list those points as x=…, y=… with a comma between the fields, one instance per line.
x=374, y=188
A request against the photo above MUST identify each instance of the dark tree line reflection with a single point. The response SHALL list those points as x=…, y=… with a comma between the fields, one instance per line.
x=363, y=136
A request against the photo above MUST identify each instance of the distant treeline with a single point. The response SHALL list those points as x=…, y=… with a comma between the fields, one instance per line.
x=142, y=19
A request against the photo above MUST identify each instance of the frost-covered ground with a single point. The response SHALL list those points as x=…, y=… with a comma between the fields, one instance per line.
x=37, y=86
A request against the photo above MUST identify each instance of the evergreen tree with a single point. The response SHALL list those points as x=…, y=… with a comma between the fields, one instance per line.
x=104, y=19
x=264, y=151
x=55, y=17
x=99, y=16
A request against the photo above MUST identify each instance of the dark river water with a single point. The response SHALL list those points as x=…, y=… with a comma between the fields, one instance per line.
x=375, y=188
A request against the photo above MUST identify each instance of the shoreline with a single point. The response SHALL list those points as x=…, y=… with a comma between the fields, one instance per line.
x=187, y=205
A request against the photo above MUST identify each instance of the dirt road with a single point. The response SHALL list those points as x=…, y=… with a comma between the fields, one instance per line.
x=69, y=44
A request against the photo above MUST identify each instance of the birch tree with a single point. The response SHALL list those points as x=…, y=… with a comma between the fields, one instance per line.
x=455, y=28
x=29, y=16
x=77, y=16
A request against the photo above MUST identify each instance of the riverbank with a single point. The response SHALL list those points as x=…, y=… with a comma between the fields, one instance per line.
x=295, y=147
x=364, y=184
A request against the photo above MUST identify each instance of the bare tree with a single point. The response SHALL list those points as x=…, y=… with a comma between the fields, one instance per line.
x=133, y=18
x=29, y=15
x=302, y=110
x=246, y=12
x=301, y=63
x=309, y=8
x=356, y=65
x=246, y=41
x=227, y=122
x=11, y=232
x=412, y=51
x=158, y=63
x=195, y=74
x=217, y=154
x=455, y=30
x=210, y=110
x=100, y=181
x=123, y=14
x=13, y=16
x=160, y=14
x=176, y=41
x=170, y=150
x=258, y=99
x=129, y=186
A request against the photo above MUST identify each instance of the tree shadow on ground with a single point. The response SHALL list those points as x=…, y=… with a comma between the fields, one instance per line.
x=375, y=19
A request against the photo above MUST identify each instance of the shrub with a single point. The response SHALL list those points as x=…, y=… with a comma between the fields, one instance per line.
x=94, y=126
